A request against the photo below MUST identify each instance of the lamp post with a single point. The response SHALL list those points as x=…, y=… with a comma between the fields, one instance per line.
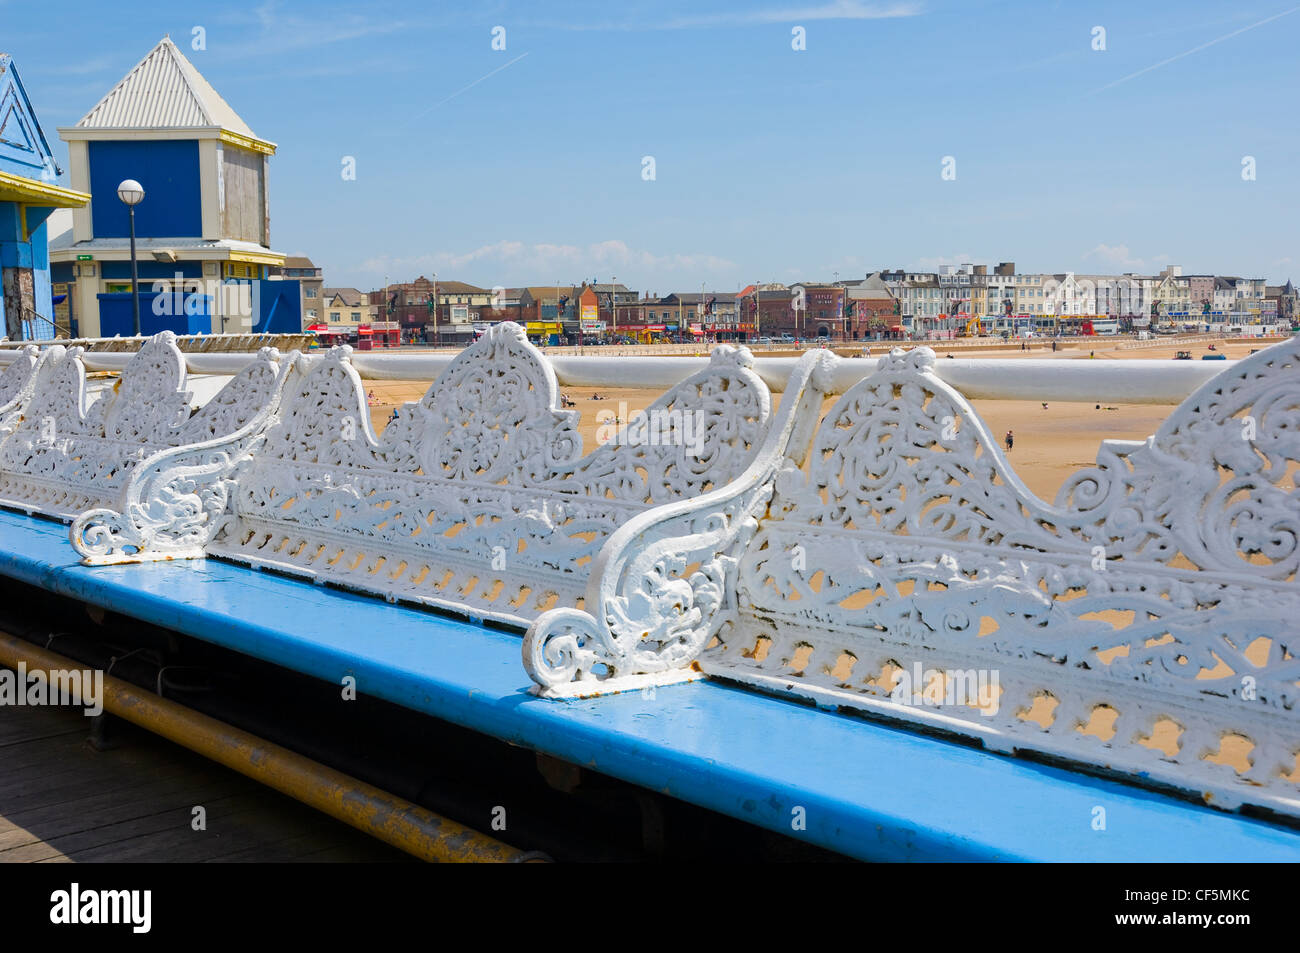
x=613, y=309
x=131, y=193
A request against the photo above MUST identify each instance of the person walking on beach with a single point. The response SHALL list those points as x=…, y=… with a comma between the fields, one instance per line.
x=1010, y=439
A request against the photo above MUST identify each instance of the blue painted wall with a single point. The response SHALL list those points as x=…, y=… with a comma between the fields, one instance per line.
x=189, y=314
x=279, y=305
x=41, y=330
x=15, y=251
x=150, y=269
x=169, y=172
x=32, y=253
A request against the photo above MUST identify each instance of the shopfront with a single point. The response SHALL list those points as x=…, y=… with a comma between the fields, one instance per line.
x=329, y=335
x=544, y=332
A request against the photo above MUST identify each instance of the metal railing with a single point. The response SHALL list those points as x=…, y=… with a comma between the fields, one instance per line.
x=29, y=319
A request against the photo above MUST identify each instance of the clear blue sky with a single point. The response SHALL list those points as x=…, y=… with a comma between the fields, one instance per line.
x=770, y=163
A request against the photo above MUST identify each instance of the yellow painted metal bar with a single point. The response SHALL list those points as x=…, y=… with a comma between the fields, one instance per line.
x=384, y=816
x=18, y=188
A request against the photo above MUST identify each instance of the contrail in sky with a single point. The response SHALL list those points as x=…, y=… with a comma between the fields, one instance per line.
x=471, y=85
x=1197, y=49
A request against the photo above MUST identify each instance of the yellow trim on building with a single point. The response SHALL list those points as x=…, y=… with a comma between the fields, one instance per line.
x=247, y=142
x=257, y=258
x=17, y=188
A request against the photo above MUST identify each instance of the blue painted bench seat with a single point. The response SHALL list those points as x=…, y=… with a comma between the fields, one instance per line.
x=869, y=791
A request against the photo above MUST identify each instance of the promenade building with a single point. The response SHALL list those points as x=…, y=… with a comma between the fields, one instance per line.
x=1287, y=300
x=872, y=308
x=550, y=309
x=344, y=315
x=920, y=300
x=609, y=302
x=818, y=310
x=309, y=277
x=202, y=231
x=28, y=198
x=769, y=307
x=433, y=309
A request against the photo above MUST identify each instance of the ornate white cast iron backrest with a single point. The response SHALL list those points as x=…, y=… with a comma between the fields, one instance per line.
x=477, y=497
x=240, y=400
x=1216, y=485
x=1145, y=623
x=63, y=458
x=58, y=394
x=698, y=436
x=149, y=402
x=16, y=381
x=492, y=417
x=899, y=455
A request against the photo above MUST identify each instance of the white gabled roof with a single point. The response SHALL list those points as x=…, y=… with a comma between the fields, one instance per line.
x=164, y=90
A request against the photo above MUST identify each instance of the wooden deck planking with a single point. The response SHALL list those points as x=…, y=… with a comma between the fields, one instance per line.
x=60, y=801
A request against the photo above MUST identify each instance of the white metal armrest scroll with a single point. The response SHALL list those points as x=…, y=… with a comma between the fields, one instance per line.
x=175, y=500
x=649, y=617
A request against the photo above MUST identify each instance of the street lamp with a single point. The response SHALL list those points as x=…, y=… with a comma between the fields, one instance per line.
x=131, y=193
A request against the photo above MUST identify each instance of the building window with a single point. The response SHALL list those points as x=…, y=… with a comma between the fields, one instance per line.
x=311, y=292
x=356, y=317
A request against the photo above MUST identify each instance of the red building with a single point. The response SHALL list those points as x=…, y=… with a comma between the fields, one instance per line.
x=769, y=312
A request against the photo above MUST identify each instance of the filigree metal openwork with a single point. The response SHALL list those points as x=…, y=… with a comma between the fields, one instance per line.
x=1143, y=624
x=16, y=384
x=476, y=498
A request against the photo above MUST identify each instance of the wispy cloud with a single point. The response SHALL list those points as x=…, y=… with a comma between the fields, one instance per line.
x=835, y=10
x=1122, y=258
x=280, y=32
x=1196, y=49
x=83, y=67
x=546, y=262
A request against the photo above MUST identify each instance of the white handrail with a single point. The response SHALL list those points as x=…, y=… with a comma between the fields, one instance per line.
x=1072, y=379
